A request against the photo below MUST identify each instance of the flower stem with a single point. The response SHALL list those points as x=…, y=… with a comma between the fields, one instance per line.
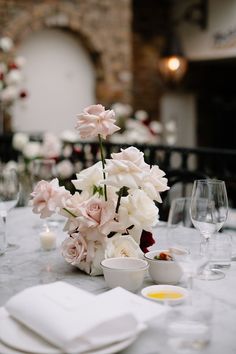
x=118, y=200
x=123, y=192
x=103, y=164
x=69, y=212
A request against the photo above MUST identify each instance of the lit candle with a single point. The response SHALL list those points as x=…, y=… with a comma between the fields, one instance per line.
x=48, y=240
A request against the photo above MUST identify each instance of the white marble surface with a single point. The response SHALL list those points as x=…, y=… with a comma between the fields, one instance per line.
x=29, y=265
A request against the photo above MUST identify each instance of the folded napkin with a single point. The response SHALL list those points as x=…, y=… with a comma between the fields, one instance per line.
x=71, y=319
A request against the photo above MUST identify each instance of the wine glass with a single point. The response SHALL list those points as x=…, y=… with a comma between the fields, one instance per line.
x=184, y=241
x=9, y=195
x=209, y=210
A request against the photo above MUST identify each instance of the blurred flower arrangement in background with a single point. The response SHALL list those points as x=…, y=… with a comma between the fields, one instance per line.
x=62, y=150
x=11, y=80
x=138, y=128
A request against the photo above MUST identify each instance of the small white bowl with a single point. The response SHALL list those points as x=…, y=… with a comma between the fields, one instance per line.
x=127, y=272
x=163, y=272
x=174, y=294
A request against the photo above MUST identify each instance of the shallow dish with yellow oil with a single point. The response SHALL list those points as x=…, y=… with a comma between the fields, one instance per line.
x=165, y=293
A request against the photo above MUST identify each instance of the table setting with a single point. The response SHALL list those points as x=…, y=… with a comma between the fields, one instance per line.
x=108, y=276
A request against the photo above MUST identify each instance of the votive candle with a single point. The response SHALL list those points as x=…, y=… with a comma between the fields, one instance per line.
x=48, y=240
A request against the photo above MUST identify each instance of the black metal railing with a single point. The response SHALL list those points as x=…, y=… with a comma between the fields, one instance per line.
x=182, y=165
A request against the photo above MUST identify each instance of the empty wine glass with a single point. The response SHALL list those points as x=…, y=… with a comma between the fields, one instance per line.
x=209, y=210
x=9, y=195
x=184, y=241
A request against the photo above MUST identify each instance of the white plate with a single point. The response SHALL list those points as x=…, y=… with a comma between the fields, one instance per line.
x=14, y=336
x=169, y=289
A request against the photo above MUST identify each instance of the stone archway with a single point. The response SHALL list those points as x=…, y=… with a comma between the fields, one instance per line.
x=109, y=45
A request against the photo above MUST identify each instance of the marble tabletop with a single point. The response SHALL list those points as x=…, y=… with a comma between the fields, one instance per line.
x=29, y=265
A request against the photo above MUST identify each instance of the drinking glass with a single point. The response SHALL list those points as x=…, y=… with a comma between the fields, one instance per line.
x=9, y=195
x=208, y=210
x=184, y=241
x=42, y=169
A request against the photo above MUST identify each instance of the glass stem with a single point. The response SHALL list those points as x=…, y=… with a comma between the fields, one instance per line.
x=207, y=269
x=190, y=288
x=5, y=243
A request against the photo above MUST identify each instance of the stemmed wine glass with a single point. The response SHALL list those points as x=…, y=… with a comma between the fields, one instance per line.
x=184, y=241
x=9, y=195
x=209, y=210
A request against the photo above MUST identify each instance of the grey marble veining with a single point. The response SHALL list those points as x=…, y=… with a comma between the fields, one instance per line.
x=29, y=265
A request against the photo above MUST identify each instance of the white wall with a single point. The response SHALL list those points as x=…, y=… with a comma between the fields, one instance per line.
x=60, y=79
x=181, y=109
x=200, y=44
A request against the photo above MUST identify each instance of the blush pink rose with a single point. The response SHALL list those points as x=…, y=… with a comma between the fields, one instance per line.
x=96, y=120
x=74, y=249
x=96, y=214
x=48, y=197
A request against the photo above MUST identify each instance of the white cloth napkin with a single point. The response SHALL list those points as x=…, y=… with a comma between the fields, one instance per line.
x=72, y=319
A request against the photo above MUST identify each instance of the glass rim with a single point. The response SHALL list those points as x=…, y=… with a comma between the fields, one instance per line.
x=210, y=180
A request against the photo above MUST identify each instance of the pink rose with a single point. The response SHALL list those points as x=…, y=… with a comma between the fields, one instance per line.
x=95, y=217
x=96, y=120
x=74, y=249
x=48, y=197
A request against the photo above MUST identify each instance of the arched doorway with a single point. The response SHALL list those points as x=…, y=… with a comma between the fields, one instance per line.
x=60, y=78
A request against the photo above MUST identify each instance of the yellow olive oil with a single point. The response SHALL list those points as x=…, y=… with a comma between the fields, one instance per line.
x=165, y=294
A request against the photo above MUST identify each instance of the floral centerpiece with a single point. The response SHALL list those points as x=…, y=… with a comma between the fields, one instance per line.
x=11, y=78
x=112, y=212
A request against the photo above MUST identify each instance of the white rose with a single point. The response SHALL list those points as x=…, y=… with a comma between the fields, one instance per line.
x=96, y=268
x=139, y=210
x=122, y=109
x=11, y=165
x=20, y=61
x=171, y=126
x=153, y=183
x=88, y=178
x=9, y=94
x=6, y=44
x=171, y=139
x=32, y=150
x=14, y=77
x=20, y=140
x=65, y=169
x=141, y=115
x=51, y=146
x=156, y=127
x=122, y=246
x=69, y=136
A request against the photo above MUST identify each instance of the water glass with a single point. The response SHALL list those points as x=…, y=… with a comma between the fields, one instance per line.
x=220, y=251
x=189, y=327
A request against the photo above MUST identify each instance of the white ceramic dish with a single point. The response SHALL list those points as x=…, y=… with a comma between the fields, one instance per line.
x=169, y=290
x=163, y=272
x=126, y=272
x=15, y=337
